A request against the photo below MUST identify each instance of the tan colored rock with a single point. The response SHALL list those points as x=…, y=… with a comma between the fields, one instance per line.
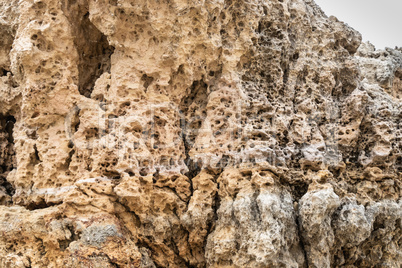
x=196, y=134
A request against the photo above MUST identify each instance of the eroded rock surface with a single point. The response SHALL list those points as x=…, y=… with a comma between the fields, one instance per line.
x=196, y=134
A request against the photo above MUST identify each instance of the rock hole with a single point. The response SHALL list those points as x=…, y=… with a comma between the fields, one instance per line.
x=3, y=72
x=7, y=156
x=147, y=80
x=144, y=172
x=41, y=205
x=92, y=46
x=35, y=158
x=64, y=244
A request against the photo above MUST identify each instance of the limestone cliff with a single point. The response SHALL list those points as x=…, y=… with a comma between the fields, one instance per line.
x=196, y=133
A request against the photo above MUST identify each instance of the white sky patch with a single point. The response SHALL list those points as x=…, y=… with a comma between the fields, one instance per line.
x=379, y=22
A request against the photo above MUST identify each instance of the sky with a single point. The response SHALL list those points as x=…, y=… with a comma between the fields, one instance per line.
x=379, y=21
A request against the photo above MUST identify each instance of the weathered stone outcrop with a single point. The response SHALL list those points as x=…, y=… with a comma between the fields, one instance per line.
x=196, y=134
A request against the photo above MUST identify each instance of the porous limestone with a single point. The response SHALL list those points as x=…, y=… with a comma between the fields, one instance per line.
x=213, y=133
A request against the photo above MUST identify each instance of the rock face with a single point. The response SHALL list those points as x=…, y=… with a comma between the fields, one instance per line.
x=209, y=133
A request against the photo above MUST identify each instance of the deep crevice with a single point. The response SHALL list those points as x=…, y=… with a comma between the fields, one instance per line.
x=215, y=207
x=299, y=233
x=193, y=108
x=95, y=53
x=92, y=46
x=41, y=205
x=35, y=158
x=7, y=153
x=212, y=224
x=69, y=159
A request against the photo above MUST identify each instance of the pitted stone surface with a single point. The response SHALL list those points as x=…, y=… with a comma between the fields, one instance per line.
x=184, y=133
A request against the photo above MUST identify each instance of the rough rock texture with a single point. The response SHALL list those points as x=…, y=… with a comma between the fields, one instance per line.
x=212, y=133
